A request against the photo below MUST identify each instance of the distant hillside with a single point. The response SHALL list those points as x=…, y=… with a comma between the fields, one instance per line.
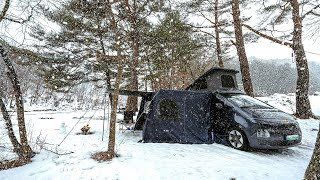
x=277, y=75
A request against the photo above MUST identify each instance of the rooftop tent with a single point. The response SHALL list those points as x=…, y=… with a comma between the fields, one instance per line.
x=215, y=79
x=178, y=117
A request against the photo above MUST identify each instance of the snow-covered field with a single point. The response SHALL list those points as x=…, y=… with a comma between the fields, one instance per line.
x=151, y=161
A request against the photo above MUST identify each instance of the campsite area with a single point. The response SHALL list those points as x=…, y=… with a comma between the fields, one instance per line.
x=150, y=160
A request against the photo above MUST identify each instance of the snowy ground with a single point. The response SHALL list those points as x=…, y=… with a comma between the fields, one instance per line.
x=152, y=161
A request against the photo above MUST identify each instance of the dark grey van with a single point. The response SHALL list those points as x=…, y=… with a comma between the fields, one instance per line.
x=249, y=122
x=244, y=120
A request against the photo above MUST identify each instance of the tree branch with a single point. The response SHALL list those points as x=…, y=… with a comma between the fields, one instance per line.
x=311, y=12
x=13, y=20
x=57, y=153
x=201, y=27
x=4, y=10
x=21, y=21
x=233, y=43
x=143, y=6
x=128, y=11
x=207, y=18
x=268, y=37
x=315, y=14
x=282, y=14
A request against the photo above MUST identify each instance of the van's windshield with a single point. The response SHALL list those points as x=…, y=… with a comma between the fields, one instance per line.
x=244, y=101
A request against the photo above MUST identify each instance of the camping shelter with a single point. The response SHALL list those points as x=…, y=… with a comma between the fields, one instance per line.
x=215, y=79
x=178, y=117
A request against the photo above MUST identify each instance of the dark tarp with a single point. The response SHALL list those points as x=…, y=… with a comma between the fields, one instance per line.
x=178, y=117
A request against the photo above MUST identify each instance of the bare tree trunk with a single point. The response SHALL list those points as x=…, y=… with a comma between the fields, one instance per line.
x=107, y=70
x=244, y=65
x=216, y=28
x=313, y=169
x=303, y=108
x=8, y=125
x=112, y=132
x=26, y=149
x=132, y=101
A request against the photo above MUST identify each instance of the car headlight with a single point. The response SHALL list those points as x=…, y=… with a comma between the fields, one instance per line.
x=263, y=133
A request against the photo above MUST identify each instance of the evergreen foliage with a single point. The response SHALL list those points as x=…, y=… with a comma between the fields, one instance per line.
x=205, y=10
x=80, y=50
x=173, y=48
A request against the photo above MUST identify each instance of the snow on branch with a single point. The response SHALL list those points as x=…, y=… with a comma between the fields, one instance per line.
x=268, y=37
x=311, y=12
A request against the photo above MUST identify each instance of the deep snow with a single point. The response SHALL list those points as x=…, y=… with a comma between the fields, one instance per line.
x=152, y=160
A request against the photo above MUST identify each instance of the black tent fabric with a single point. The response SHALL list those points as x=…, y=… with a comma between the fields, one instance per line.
x=178, y=117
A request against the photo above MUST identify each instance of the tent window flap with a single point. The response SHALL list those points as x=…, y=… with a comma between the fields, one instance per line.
x=168, y=110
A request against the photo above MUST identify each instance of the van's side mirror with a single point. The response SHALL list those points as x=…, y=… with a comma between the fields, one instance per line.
x=219, y=105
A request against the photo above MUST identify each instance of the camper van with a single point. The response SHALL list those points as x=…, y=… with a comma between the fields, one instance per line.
x=248, y=122
x=212, y=109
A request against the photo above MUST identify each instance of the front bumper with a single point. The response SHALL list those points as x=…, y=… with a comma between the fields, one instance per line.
x=273, y=143
x=277, y=139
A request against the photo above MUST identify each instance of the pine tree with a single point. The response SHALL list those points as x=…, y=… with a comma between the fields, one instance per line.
x=115, y=29
x=89, y=47
x=216, y=14
x=135, y=13
x=172, y=50
x=80, y=51
x=290, y=10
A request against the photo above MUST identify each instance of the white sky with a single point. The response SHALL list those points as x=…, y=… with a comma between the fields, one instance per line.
x=265, y=49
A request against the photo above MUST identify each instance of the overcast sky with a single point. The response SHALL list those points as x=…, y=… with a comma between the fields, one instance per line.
x=263, y=49
x=267, y=50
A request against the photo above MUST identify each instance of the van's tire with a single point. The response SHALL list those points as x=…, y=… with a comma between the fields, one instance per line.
x=237, y=139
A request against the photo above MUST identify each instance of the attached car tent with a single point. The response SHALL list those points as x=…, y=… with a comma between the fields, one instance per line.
x=213, y=109
x=178, y=117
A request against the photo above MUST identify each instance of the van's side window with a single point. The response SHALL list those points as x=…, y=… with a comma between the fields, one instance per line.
x=168, y=110
x=227, y=81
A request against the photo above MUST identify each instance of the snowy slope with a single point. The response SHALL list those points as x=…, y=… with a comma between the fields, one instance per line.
x=153, y=161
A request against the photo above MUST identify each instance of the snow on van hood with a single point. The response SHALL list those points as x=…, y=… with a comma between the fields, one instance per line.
x=271, y=115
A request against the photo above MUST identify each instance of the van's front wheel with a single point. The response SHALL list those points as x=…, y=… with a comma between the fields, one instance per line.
x=237, y=139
